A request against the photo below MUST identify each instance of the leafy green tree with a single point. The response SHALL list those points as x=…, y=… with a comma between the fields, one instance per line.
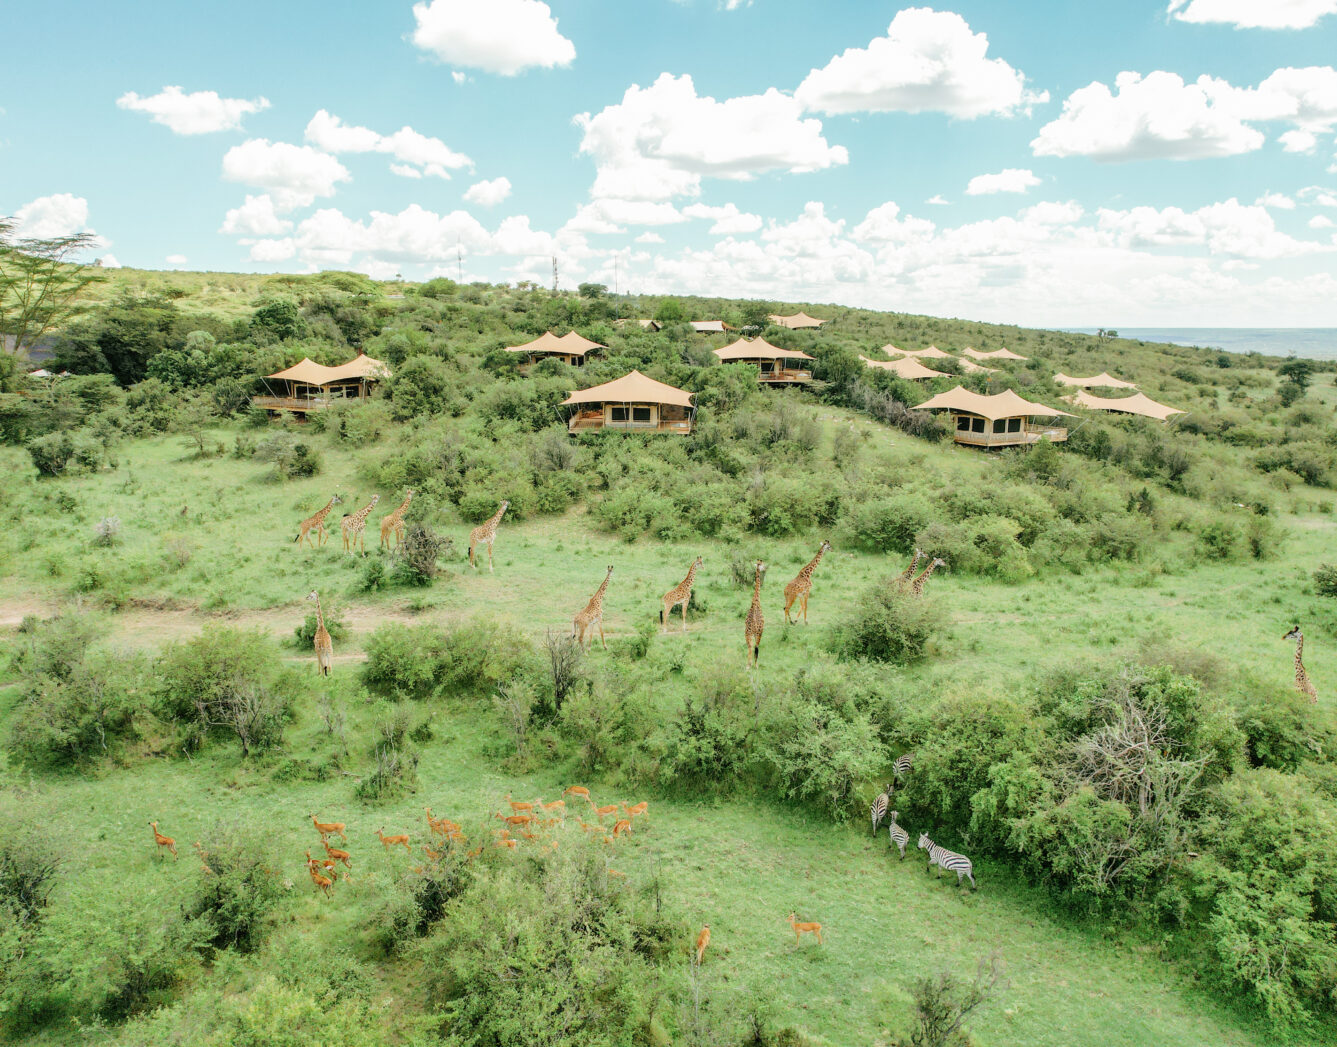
x=1298, y=371
x=279, y=317
x=670, y=311
x=40, y=289
x=592, y=290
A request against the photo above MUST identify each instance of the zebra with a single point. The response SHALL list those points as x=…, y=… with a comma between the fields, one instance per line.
x=898, y=836
x=945, y=859
x=879, y=808
x=903, y=764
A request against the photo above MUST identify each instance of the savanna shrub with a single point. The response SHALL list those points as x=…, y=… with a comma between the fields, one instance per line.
x=888, y=623
x=890, y=523
x=821, y=757
x=83, y=714
x=422, y=661
x=229, y=903
x=708, y=745
x=1325, y=580
x=51, y=453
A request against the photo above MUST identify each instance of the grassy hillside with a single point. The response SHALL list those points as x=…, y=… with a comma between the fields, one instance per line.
x=1192, y=546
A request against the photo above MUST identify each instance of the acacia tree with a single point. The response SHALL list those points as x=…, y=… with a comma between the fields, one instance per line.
x=40, y=289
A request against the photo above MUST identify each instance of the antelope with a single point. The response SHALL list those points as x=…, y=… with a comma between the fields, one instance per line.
x=390, y=841
x=329, y=828
x=474, y=853
x=619, y=875
x=434, y=855
x=505, y=843
x=578, y=790
x=336, y=854
x=588, y=828
x=518, y=806
x=433, y=824
x=323, y=882
x=800, y=929
x=516, y=819
x=638, y=810
x=622, y=826
x=204, y=855
x=556, y=805
x=608, y=809
x=325, y=863
x=163, y=841
x=702, y=940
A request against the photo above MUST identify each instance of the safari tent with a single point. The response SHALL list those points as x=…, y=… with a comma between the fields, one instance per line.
x=774, y=365
x=635, y=402
x=800, y=321
x=1104, y=380
x=931, y=353
x=1138, y=404
x=709, y=326
x=997, y=354
x=1000, y=420
x=308, y=386
x=570, y=348
x=904, y=368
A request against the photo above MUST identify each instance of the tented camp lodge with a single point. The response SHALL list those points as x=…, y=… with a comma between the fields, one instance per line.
x=308, y=386
x=1000, y=420
x=904, y=368
x=709, y=326
x=800, y=321
x=775, y=366
x=1104, y=380
x=633, y=402
x=997, y=354
x=570, y=348
x=931, y=353
x=1138, y=403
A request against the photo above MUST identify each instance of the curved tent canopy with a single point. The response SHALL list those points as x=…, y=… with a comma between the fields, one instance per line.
x=709, y=326
x=931, y=353
x=758, y=349
x=633, y=387
x=1006, y=404
x=361, y=366
x=569, y=344
x=308, y=372
x=971, y=367
x=1104, y=380
x=796, y=322
x=997, y=354
x=1138, y=403
x=911, y=369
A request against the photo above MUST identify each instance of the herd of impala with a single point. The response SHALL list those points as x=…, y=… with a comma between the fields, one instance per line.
x=533, y=821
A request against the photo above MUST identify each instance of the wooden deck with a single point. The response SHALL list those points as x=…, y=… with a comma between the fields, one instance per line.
x=592, y=425
x=294, y=403
x=1032, y=434
x=785, y=376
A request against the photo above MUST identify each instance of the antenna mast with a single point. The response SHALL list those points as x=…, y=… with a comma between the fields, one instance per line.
x=554, y=274
x=459, y=261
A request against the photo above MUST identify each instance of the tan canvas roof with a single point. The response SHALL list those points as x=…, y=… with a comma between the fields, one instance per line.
x=570, y=344
x=997, y=354
x=1138, y=403
x=1103, y=380
x=308, y=371
x=1006, y=404
x=631, y=388
x=361, y=366
x=758, y=349
x=709, y=326
x=931, y=353
x=305, y=370
x=797, y=321
x=971, y=367
x=911, y=369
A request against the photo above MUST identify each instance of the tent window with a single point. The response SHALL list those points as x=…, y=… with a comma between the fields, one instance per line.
x=1000, y=425
x=962, y=423
x=1014, y=425
x=977, y=425
x=618, y=414
x=640, y=414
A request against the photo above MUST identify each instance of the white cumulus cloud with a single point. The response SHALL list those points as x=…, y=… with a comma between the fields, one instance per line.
x=197, y=113
x=727, y=218
x=109, y=261
x=1298, y=141
x=929, y=61
x=273, y=250
x=1254, y=14
x=294, y=175
x=1320, y=221
x=660, y=141
x=1008, y=180
x=1279, y=200
x=417, y=153
x=1226, y=228
x=649, y=238
x=497, y=36
x=47, y=217
x=489, y=193
x=256, y=217
x=176, y=259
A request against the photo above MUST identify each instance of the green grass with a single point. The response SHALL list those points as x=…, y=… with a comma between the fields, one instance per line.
x=739, y=866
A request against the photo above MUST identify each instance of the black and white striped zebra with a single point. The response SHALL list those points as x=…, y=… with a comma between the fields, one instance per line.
x=945, y=859
x=903, y=764
x=898, y=836
x=879, y=809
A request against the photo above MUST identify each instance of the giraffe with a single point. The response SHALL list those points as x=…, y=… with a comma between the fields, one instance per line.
x=486, y=534
x=800, y=587
x=316, y=522
x=354, y=526
x=917, y=586
x=394, y=523
x=909, y=572
x=592, y=616
x=679, y=594
x=756, y=622
x=323, y=644
x=1302, y=683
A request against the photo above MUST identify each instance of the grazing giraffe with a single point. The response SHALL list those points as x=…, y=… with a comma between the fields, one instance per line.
x=756, y=621
x=679, y=594
x=354, y=526
x=394, y=523
x=917, y=586
x=593, y=615
x=485, y=534
x=316, y=522
x=323, y=644
x=909, y=572
x=1302, y=682
x=800, y=587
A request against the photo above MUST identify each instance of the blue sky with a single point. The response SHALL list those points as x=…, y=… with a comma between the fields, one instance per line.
x=1148, y=163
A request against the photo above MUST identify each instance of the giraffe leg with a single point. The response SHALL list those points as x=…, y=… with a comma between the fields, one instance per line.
x=489, y=557
x=601, y=634
x=684, y=611
x=805, y=608
x=789, y=602
x=472, y=546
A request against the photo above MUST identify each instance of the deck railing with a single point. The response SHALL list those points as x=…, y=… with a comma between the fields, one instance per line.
x=786, y=374
x=1029, y=434
x=585, y=424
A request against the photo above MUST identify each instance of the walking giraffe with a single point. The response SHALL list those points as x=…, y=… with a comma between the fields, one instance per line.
x=486, y=534
x=909, y=572
x=354, y=526
x=756, y=621
x=1302, y=683
x=593, y=615
x=394, y=523
x=323, y=644
x=917, y=586
x=801, y=586
x=679, y=594
x=316, y=522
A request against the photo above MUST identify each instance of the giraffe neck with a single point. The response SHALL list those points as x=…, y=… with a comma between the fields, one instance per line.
x=320, y=616
x=919, y=582
x=756, y=593
x=1300, y=673
x=598, y=597
x=328, y=506
x=691, y=573
x=812, y=564
x=914, y=565
x=496, y=519
x=403, y=506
